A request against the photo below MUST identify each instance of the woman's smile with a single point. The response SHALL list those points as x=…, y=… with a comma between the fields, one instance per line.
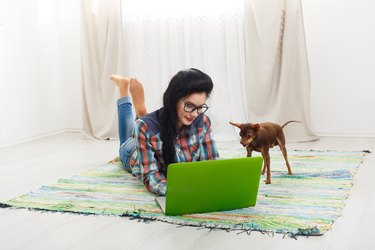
x=189, y=119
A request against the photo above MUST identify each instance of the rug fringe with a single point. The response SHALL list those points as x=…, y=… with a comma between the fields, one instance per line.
x=138, y=215
x=307, y=232
x=43, y=210
x=3, y=205
x=311, y=231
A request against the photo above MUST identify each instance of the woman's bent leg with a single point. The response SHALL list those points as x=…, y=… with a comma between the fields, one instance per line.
x=125, y=118
x=125, y=152
x=138, y=95
x=124, y=108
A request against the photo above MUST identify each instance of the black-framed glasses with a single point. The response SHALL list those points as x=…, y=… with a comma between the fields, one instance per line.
x=190, y=108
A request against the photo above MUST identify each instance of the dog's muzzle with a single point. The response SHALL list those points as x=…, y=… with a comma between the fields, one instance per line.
x=248, y=142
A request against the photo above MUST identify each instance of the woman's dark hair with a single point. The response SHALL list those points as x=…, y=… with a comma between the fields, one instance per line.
x=184, y=83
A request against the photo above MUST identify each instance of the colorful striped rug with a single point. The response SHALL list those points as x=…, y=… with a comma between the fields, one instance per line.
x=306, y=203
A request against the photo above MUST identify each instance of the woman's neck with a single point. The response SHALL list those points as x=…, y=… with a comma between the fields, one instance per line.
x=179, y=126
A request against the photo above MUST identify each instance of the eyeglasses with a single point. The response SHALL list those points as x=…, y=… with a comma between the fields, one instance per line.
x=190, y=108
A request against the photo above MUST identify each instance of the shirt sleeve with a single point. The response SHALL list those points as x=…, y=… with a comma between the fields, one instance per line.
x=208, y=146
x=153, y=179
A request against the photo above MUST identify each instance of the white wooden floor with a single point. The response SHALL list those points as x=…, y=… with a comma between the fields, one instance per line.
x=27, y=166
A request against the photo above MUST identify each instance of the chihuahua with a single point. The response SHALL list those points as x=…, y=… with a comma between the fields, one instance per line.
x=261, y=137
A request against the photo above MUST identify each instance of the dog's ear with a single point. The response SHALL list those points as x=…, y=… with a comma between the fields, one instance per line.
x=256, y=127
x=238, y=125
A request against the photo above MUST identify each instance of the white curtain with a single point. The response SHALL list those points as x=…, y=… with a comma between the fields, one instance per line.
x=102, y=55
x=171, y=35
x=158, y=38
x=277, y=72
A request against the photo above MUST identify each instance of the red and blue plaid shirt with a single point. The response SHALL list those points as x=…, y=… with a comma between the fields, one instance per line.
x=194, y=143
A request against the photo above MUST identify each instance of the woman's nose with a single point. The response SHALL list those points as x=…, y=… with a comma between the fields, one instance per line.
x=194, y=113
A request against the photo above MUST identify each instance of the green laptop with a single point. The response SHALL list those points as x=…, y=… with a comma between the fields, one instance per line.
x=215, y=185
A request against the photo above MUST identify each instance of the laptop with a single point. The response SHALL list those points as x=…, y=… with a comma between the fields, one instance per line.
x=214, y=185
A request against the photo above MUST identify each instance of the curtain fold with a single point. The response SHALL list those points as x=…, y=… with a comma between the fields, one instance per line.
x=102, y=55
x=277, y=72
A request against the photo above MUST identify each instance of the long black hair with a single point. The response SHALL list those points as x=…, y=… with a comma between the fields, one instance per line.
x=184, y=83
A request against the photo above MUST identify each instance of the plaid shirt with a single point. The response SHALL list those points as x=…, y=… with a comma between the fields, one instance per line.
x=194, y=143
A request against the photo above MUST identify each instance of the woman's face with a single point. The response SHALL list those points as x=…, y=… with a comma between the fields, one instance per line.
x=194, y=101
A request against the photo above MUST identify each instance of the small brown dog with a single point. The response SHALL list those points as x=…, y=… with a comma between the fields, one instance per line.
x=261, y=137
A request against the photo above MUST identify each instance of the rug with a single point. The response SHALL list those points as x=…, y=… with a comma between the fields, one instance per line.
x=306, y=203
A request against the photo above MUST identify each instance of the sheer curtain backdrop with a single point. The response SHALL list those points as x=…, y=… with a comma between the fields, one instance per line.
x=159, y=38
x=152, y=40
x=102, y=54
x=165, y=36
x=277, y=72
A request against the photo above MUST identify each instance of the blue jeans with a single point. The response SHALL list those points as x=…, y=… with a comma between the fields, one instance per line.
x=125, y=129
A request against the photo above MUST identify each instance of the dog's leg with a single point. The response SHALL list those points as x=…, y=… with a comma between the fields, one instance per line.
x=267, y=165
x=285, y=154
x=264, y=165
x=249, y=151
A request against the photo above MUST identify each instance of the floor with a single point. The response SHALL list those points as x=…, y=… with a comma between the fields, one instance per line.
x=27, y=166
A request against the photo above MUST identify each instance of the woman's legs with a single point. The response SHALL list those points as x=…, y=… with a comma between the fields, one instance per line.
x=124, y=108
x=138, y=95
x=126, y=118
x=125, y=114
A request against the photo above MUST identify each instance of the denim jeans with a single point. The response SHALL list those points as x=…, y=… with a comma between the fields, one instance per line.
x=125, y=129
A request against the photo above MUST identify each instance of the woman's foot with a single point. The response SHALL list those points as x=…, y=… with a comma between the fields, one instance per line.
x=138, y=96
x=122, y=83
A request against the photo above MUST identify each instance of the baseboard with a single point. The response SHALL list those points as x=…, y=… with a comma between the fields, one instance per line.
x=40, y=136
x=351, y=135
x=73, y=130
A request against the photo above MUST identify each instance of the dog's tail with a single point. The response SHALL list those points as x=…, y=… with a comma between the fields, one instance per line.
x=289, y=122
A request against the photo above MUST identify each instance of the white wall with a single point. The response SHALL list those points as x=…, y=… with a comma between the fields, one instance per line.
x=39, y=68
x=340, y=37
x=70, y=47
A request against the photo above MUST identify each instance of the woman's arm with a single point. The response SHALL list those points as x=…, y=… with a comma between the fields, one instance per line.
x=207, y=143
x=154, y=180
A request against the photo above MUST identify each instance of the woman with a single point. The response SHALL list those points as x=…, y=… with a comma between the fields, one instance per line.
x=178, y=132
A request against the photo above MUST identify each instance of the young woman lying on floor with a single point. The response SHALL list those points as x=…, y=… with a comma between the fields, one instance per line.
x=177, y=132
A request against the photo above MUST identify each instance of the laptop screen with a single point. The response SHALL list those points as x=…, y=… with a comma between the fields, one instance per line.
x=215, y=185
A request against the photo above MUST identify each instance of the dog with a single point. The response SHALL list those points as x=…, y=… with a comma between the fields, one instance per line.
x=261, y=137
